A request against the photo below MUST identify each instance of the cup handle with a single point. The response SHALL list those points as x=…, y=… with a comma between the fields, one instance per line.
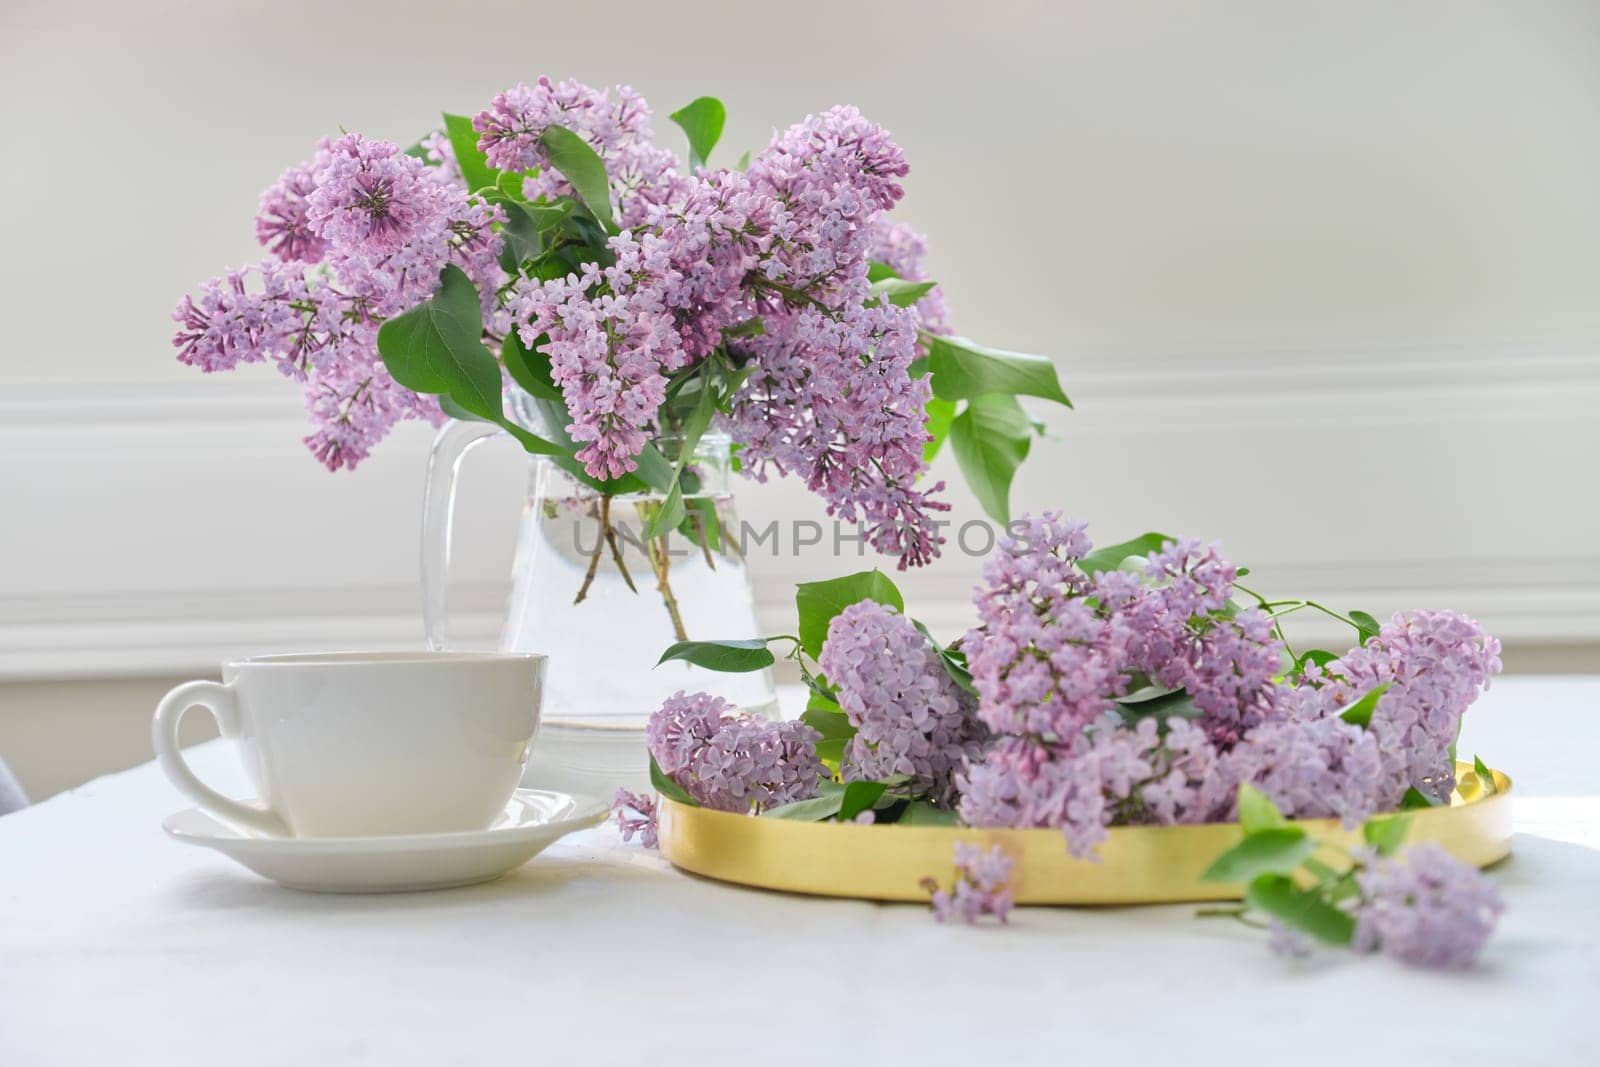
x=220, y=701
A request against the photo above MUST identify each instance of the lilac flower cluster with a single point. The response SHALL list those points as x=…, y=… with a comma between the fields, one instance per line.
x=1057, y=648
x=982, y=886
x=1425, y=907
x=1435, y=663
x=357, y=234
x=832, y=398
x=910, y=717
x=619, y=131
x=786, y=244
x=613, y=334
x=767, y=267
x=636, y=815
x=733, y=762
x=1108, y=775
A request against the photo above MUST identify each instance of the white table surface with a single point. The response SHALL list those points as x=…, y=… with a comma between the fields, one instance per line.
x=119, y=947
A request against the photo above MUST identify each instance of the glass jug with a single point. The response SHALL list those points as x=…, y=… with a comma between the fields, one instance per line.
x=589, y=590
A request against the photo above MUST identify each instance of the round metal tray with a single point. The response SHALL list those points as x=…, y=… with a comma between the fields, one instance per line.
x=1137, y=864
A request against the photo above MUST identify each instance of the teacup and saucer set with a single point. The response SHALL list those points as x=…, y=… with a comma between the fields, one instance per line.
x=373, y=772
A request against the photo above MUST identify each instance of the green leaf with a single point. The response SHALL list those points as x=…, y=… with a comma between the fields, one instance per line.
x=728, y=656
x=877, y=272
x=671, y=513
x=953, y=660
x=991, y=438
x=437, y=347
x=1415, y=799
x=521, y=239
x=1360, y=712
x=963, y=369
x=816, y=809
x=941, y=413
x=831, y=750
x=702, y=526
x=900, y=292
x=1172, y=704
x=818, y=602
x=1321, y=657
x=572, y=157
x=1366, y=624
x=818, y=696
x=924, y=813
x=832, y=725
x=1485, y=776
x=525, y=228
x=1386, y=833
x=1110, y=557
x=1276, y=895
x=667, y=787
x=475, y=169
x=1278, y=850
x=858, y=797
x=529, y=369
x=755, y=327
x=1256, y=812
x=701, y=121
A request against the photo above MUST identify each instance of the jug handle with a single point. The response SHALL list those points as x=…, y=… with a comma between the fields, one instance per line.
x=450, y=446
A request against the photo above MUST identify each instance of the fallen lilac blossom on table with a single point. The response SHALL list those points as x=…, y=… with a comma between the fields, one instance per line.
x=636, y=815
x=982, y=886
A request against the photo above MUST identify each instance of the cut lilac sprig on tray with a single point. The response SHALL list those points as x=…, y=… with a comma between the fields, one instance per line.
x=732, y=761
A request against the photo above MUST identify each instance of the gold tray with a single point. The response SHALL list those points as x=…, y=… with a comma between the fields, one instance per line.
x=1138, y=864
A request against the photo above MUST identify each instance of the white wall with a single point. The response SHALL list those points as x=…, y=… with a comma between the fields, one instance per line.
x=1321, y=278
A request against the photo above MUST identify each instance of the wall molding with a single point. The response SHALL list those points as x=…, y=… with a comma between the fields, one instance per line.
x=156, y=528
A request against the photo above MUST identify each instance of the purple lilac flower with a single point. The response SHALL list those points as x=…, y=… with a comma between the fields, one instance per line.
x=353, y=404
x=903, y=250
x=369, y=197
x=982, y=886
x=1314, y=768
x=1111, y=775
x=733, y=762
x=911, y=718
x=1426, y=908
x=1435, y=663
x=1043, y=658
x=438, y=150
x=619, y=131
x=1286, y=941
x=1178, y=630
x=681, y=727
x=283, y=223
x=636, y=815
x=832, y=399
x=835, y=172
x=246, y=316
x=358, y=234
x=615, y=333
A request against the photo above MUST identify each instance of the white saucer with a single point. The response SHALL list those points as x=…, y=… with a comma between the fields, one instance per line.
x=534, y=819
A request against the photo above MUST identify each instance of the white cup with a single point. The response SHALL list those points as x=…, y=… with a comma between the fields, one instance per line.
x=351, y=744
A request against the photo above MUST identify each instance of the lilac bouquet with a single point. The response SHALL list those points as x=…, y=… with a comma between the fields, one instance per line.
x=547, y=248
x=1135, y=684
